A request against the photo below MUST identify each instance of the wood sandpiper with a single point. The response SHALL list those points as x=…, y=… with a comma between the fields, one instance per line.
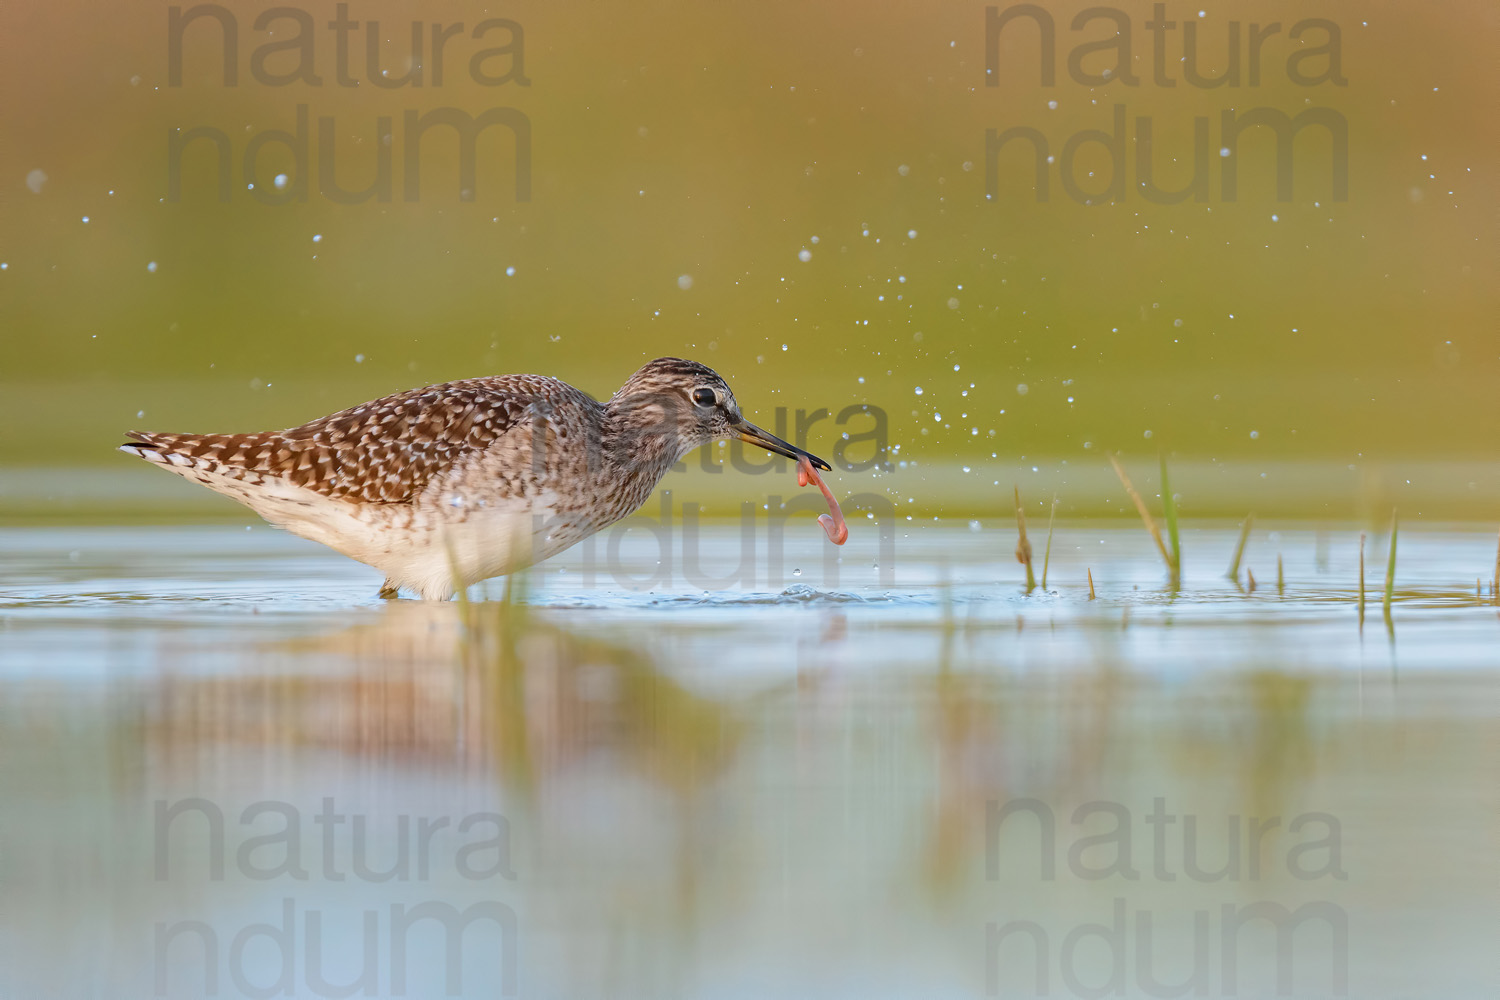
x=444, y=486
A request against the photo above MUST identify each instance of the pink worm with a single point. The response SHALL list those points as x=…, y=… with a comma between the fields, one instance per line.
x=832, y=522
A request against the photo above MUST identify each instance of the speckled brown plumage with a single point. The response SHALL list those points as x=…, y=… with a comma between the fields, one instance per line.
x=383, y=451
x=449, y=484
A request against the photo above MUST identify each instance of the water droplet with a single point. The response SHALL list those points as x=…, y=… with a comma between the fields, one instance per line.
x=151, y=266
x=804, y=255
x=684, y=281
x=796, y=572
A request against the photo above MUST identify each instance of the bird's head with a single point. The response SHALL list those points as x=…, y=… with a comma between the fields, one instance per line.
x=681, y=405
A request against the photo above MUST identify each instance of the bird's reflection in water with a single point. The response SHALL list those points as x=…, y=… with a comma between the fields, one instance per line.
x=478, y=688
x=661, y=817
x=603, y=763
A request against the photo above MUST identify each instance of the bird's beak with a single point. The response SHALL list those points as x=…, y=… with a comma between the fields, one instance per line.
x=746, y=431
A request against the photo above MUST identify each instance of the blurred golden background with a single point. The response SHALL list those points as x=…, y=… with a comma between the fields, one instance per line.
x=684, y=156
x=776, y=781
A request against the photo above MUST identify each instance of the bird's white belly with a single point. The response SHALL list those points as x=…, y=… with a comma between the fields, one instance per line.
x=436, y=555
x=433, y=548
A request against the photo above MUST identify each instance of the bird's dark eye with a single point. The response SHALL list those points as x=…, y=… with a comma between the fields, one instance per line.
x=704, y=397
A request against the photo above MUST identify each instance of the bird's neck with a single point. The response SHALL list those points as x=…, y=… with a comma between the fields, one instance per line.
x=637, y=450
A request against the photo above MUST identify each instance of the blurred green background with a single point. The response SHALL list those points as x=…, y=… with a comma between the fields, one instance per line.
x=684, y=155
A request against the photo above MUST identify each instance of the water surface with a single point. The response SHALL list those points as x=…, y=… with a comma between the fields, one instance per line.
x=787, y=788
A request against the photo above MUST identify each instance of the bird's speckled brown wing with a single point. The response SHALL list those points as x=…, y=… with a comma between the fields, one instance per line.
x=383, y=451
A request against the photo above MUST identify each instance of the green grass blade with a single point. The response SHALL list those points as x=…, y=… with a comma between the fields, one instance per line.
x=1023, y=544
x=1390, y=566
x=1361, y=578
x=1239, y=550
x=1140, y=506
x=1169, y=507
x=1047, y=551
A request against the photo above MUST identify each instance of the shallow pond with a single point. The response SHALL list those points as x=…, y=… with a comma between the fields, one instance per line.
x=227, y=769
